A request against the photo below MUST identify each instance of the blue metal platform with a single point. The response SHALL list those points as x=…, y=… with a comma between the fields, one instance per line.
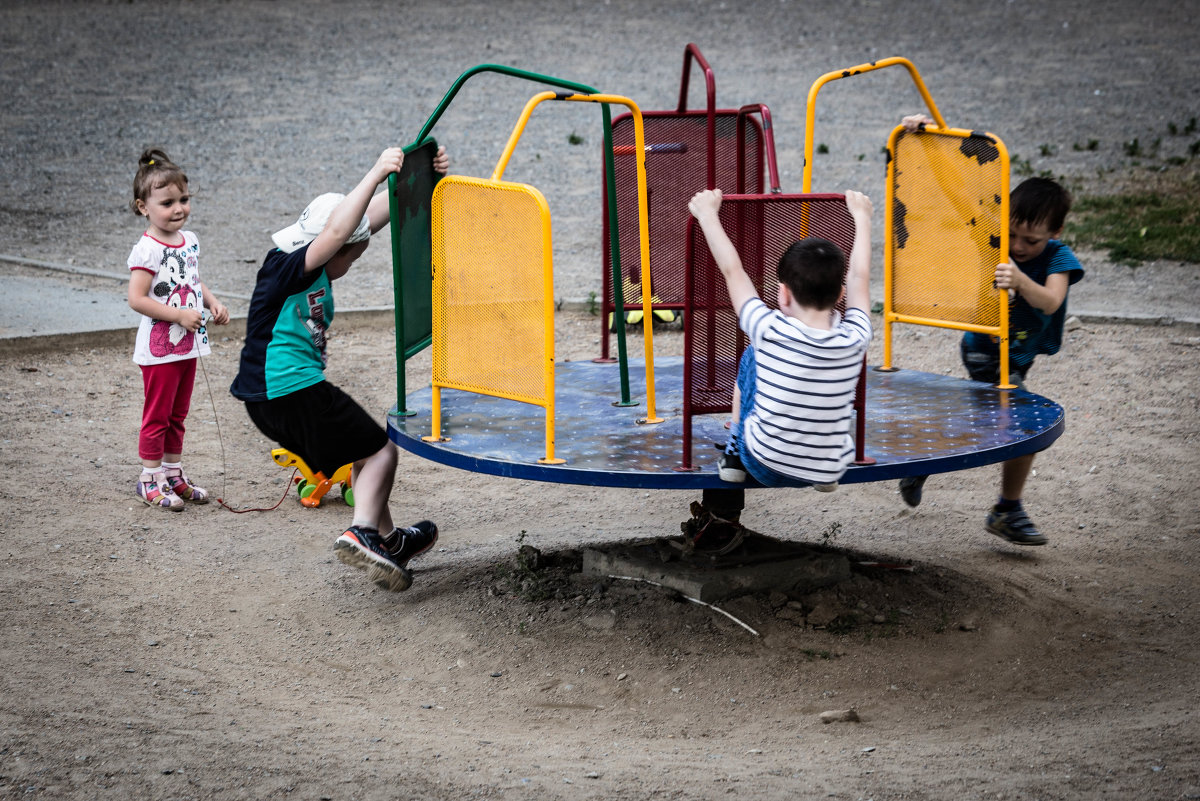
x=916, y=424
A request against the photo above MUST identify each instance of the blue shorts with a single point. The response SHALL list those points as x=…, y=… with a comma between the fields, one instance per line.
x=746, y=380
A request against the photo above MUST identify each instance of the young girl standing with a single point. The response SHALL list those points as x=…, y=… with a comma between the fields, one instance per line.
x=165, y=288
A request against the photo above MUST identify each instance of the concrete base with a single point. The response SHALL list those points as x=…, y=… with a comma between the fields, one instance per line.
x=760, y=564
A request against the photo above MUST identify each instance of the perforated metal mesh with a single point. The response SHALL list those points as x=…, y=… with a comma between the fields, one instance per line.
x=491, y=264
x=761, y=227
x=948, y=208
x=673, y=175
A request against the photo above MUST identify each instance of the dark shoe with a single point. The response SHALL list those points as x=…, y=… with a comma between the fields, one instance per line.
x=362, y=547
x=406, y=543
x=731, y=469
x=1014, y=526
x=707, y=533
x=910, y=489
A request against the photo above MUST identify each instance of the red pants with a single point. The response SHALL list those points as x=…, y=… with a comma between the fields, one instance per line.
x=168, y=398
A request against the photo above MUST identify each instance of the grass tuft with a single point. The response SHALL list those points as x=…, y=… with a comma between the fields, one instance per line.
x=1160, y=220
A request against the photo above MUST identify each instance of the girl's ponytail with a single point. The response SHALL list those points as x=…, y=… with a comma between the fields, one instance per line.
x=155, y=169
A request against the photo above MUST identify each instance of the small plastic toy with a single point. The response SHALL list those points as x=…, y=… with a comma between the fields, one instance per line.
x=313, y=486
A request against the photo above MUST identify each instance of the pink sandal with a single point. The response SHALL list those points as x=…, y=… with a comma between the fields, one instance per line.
x=182, y=486
x=157, y=492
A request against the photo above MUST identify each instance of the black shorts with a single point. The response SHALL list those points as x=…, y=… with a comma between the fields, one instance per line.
x=321, y=424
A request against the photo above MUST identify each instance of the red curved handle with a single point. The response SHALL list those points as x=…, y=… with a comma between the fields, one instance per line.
x=768, y=145
x=710, y=84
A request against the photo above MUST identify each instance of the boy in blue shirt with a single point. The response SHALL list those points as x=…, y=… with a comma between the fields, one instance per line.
x=1038, y=275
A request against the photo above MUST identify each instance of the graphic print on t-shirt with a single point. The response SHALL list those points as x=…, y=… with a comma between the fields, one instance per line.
x=315, y=322
x=166, y=338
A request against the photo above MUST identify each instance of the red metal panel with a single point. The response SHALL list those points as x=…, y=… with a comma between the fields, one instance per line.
x=676, y=168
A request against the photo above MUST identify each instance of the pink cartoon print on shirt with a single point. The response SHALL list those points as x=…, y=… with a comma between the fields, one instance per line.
x=168, y=339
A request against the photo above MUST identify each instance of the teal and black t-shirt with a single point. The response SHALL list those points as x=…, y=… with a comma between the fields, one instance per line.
x=285, y=329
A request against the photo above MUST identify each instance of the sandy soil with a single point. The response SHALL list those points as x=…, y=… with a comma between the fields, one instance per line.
x=212, y=655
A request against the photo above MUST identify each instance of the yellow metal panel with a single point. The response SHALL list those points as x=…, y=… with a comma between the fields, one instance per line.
x=493, y=285
x=492, y=267
x=946, y=230
x=949, y=217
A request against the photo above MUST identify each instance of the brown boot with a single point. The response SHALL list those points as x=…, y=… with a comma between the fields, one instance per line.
x=707, y=533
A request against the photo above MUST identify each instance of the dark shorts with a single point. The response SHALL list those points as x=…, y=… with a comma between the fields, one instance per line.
x=321, y=424
x=983, y=364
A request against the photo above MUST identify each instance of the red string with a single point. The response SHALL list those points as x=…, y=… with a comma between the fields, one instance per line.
x=291, y=483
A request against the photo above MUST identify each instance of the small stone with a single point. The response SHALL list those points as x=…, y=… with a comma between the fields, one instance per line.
x=823, y=614
x=622, y=676
x=790, y=615
x=840, y=716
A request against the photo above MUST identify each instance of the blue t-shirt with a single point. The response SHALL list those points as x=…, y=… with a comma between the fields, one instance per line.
x=285, y=329
x=1032, y=332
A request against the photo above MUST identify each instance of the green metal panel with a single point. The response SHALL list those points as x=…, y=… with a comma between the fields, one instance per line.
x=411, y=248
x=412, y=199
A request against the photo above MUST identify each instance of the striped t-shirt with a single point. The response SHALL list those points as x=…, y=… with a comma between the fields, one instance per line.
x=804, y=392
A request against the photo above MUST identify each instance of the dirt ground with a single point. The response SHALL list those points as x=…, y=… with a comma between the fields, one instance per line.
x=212, y=655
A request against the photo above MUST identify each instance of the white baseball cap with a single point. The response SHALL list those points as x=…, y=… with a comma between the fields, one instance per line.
x=312, y=220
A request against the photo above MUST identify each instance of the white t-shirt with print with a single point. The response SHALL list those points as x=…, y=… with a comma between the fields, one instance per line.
x=175, y=283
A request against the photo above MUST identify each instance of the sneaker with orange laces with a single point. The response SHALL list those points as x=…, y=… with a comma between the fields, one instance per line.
x=362, y=547
x=182, y=486
x=154, y=490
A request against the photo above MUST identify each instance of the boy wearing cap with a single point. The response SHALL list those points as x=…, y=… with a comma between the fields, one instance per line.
x=281, y=376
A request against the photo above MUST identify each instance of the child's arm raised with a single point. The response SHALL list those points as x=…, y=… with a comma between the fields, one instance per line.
x=704, y=207
x=379, y=212
x=345, y=218
x=858, y=277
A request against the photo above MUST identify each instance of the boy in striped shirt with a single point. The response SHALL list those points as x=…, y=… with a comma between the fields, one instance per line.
x=793, y=406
